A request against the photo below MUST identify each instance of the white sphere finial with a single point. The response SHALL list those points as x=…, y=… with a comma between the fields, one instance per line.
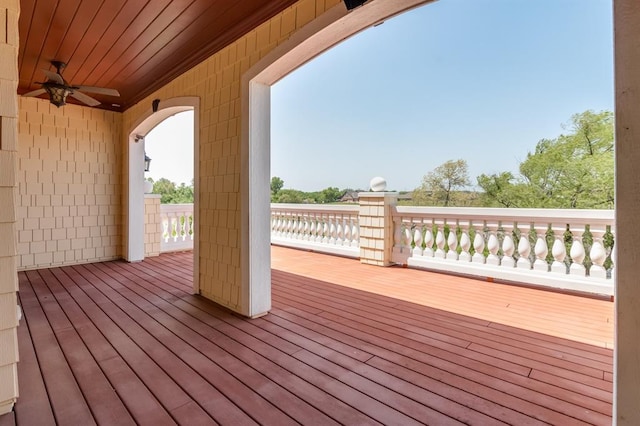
x=378, y=184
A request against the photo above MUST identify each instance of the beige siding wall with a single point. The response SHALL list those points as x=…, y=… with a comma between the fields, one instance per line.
x=376, y=227
x=217, y=81
x=152, y=225
x=70, y=184
x=9, y=10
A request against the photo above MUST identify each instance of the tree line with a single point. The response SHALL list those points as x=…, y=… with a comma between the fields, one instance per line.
x=172, y=193
x=328, y=195
x=573, y=171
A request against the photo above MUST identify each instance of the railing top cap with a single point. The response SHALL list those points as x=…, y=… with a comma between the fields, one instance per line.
x=316, y=207
x=528, y=215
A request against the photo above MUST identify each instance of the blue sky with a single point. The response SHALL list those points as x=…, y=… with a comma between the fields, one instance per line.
x=481, y=80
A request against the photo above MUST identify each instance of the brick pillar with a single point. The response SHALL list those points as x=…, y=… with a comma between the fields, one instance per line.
x=152, y=225
x=9, y=11
x=376, y=227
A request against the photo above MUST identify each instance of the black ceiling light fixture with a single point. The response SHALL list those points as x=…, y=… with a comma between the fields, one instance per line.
x=57, y=93
x=352, y=4
x=58, y=88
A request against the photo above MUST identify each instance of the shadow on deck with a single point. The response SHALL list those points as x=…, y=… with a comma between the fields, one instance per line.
x=121, y=343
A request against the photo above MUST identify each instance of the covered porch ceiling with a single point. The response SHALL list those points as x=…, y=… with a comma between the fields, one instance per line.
x=133, y=46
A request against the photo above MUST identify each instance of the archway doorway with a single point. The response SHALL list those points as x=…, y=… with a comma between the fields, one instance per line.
x=318, y=36
x=136, y=135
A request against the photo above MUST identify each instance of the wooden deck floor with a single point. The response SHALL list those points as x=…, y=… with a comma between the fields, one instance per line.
x=119, y=343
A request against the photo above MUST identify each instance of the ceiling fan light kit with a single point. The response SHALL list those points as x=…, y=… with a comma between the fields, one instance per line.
x=58, y=89
x=57, y=93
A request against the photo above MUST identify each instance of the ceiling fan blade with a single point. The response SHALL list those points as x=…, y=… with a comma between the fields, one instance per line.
x=54, y=76
x=85, y=98
x=37, y=92
x=99, y=90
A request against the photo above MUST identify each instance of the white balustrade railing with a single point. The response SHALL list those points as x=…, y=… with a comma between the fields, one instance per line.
x=177, y=226
x=325, y=228
x=566, y=249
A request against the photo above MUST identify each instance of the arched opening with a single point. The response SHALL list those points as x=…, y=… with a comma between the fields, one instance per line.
x=321, y=34
x=136, y=135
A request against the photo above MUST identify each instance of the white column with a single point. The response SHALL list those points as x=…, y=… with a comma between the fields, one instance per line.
x=626, y=411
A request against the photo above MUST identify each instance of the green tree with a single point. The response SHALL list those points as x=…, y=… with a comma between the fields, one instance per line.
x=289, y=196
x=330, y=195
x=183, y=194
x=276, y=185
x=572, y=171
x=439, y=186
x=172, y=194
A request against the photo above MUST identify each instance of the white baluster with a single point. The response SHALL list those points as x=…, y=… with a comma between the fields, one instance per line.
x=339, y=231
x=577, y=251
x=452, y=242
x=440, y=240
x=319, y=228
x=289, y=227
x=165, y=228
x=332, y=230
x=465, y=242
x=478, y=242
x=274, y=224
x=508, y=246
x=417, y=239
x=524, y=246
x=598, y=254
x=397, y=235
x=407, y=238
x=493, y=244
x=541, y=249
x=304, y=225
x=347, y=232
x=182, y=220
x=428, y=240
x=312, y=227
x=558, y=250
x=281, y=224
x=355, y=233
x=325, y=229
x=300, y=227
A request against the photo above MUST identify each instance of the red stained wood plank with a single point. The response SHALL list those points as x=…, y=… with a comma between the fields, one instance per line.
x=178, y=367
x=484, y=377
x=142, y=405
x=433, y=320
x=8, y=419
x=555, y=314
x=34, y=406
x=325, y=353
x=261, y=364
x=105, y=405
x=67, y=402
x=169, y=394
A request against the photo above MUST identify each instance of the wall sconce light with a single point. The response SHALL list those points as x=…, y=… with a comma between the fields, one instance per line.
x=352, y=4
x=147, y=162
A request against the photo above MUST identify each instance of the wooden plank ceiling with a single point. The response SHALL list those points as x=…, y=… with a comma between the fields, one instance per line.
x=134, y=46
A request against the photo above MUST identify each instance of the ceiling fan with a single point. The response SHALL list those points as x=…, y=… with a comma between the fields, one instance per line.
x=58, y=89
